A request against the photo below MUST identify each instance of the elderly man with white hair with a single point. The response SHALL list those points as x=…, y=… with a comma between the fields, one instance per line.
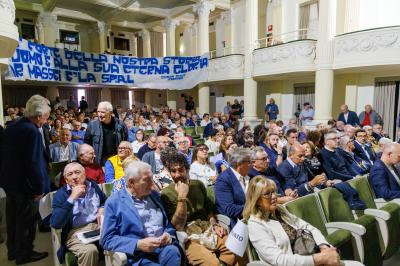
x=105, y=133
x=136, y=223
x=24, y=179
x=77, y=207
x=384, y=176
x=354, y=164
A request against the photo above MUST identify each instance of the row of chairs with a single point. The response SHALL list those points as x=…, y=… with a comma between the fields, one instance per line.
x=368, y=236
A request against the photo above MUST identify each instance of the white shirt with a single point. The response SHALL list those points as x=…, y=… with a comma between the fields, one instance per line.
x=246, y=180
x=346, y=116
x=136, y=145
x=64, y=153
x=213, y=146
x=203, y=123
x=202, y=172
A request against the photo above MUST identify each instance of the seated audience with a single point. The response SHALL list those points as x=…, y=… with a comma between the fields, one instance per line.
x=384, y=177
x=93, y=171
x=354, y=164
x=138, y=142
x=136, y=223
x=200, y=169
x=274, y=149
x=363, y=149
x=349, y=131
x=381, y=144
x=163, y=178
x=221, y=159
x=64, y=149
x=260, y=162
x=212, y=143
x=205, y=121
x=230, y=187
x=332, y=160
x=77, y=134
x=77, y=207
x=186, y=202
x=149, y=146
x=377, y=132
x=113, y=167
x=272, y=229
x=311, y=161
x=297, y=179
x=153, y=157
x=292, y=136
x=348, y=117
x=182, y=145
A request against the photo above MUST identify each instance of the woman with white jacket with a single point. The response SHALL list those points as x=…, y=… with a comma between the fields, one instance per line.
x=272, y=230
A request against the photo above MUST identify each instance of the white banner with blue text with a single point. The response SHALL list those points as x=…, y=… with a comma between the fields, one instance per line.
x=32, y=61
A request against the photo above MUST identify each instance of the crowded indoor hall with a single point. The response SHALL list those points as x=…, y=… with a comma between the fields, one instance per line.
x=200, y=132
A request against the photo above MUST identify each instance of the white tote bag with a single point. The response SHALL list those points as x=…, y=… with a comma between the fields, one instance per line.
x=238, y=239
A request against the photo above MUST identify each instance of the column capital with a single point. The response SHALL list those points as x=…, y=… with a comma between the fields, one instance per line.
x=170, y=24
x=9, y=8
x=145, y=34
x=203, y=7
x=47, y=18
x=226, y=16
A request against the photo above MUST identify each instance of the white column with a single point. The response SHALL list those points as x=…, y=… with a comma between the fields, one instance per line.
x=8, y=30
x=49, y=22
x=145, y=34
x=102, y=29
x=170, y=26
x=324, y=59
x=220, y=36
x=289, y=19
x=203, y=9
x=40, y=31
x=3, y=66
x=250, y=85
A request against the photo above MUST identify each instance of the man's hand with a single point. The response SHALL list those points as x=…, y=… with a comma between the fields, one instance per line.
x=100, y=212
x=165, y=239
x=78, y=191
x=330, y=183
x=38, y=197
x=182, y=189
x=219, y=230
x=148, y=244
x=317, y=180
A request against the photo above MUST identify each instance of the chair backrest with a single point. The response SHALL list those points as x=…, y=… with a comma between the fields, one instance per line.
x=199, y=141
x=308, y=209
x=107, y=188
x=148, y=132
x=365, y=192
x=200, y=130
x=210, y=193
x=334, y=206
x=191, y=131
x=55, y=169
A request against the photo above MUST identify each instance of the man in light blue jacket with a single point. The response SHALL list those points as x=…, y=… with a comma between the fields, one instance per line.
x=64, y=150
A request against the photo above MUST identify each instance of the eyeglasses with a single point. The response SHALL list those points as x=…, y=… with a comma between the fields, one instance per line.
x=203, y=149
x=268, y=195
x=124, y=148
x=335, y=138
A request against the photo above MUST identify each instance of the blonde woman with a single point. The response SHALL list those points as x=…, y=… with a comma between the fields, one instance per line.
x=272, y=229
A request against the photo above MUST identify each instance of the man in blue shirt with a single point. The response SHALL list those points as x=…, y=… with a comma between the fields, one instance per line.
x=77, y=134
x=77, y=207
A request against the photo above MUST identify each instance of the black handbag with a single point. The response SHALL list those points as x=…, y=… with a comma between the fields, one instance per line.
x=304, y=243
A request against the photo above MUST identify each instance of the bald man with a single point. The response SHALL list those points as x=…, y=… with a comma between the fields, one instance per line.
x=384, y=177
x=297, y=179
x=348, y=117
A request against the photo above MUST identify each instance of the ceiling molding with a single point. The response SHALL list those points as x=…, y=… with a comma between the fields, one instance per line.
x=49, y=5
x=68, y=13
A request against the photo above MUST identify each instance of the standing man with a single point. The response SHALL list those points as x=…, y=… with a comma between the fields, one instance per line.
x=105, y=133
x=83, y=105
x=71, y=103
x=348, y=117
x=271, y=110
x=227, y=108
x=24, y=178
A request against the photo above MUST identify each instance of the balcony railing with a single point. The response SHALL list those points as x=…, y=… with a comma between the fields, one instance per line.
x=300, y=34
x=226, y=51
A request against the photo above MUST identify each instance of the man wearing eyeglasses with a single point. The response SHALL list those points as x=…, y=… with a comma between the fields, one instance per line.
x=332, y=161
x=362, y=148
x=154, y=157
x=113, y=167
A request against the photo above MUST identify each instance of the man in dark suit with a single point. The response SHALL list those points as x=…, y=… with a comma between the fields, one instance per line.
x=384, y=177
x=377, y=132
x=297, y=180
x=24, y=178
x=348, y=117
x=231, y=184
x=332, y=161
x=362, y=149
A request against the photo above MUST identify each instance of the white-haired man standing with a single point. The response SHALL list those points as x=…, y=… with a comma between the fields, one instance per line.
x=24, y=178
x=105, y=133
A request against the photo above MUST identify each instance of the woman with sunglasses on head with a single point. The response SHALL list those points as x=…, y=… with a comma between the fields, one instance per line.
x=273, y=230
x=200, y=168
